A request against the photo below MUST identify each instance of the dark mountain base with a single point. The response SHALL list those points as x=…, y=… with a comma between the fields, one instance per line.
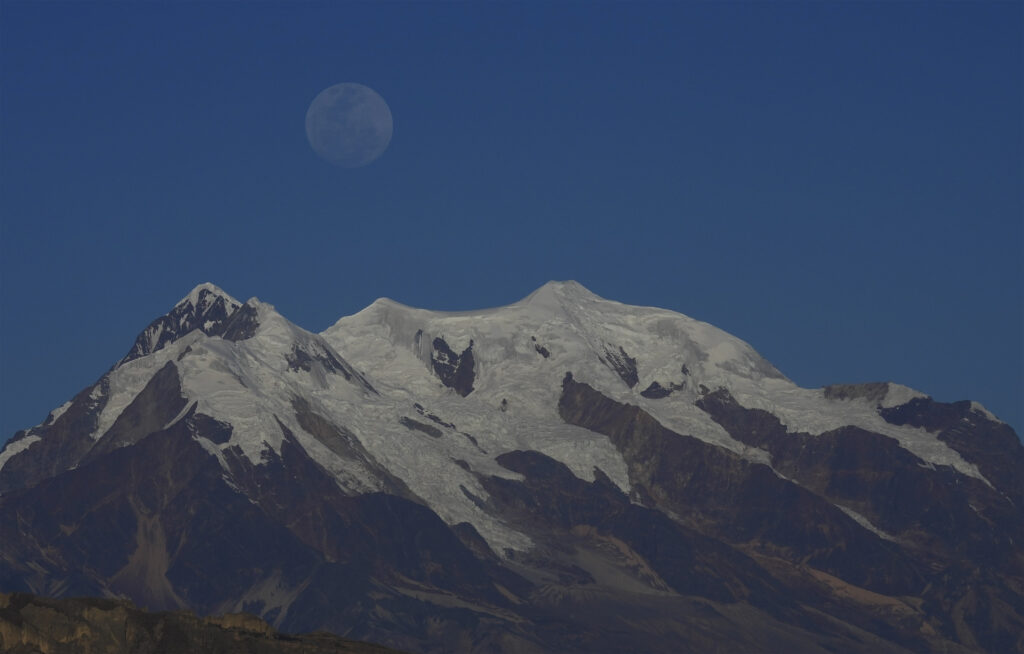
x=31, y=624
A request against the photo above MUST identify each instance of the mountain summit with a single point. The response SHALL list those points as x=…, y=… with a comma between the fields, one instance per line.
x=564, y=473
x=205, y=308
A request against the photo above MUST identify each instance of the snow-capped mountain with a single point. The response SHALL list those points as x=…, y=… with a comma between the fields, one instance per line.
x=565, y=473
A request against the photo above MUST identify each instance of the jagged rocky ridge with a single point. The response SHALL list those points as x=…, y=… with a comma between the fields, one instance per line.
x=562, y=474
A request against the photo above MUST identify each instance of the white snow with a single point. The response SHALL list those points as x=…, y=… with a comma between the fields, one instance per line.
x=193, y=297
x=153, y=336
x=57, y=413
x=978, y=408
x=898, y=395
x=127, y=380
x=17, y=447
x=218, y=454
x=250, y=385
x=578, y=328
x=181, y=414
x=867, y=524
x=514, y=404
x=808, y=411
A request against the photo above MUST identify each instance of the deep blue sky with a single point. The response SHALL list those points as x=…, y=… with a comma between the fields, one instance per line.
x=839, y=184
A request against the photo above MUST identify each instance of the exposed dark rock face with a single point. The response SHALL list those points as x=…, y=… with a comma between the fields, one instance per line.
x=242, y=324
x=872, y=475
x=300, y=359
x=938, y=519
x=159, y=403
x=63, y=442
x=376, y=543
x=656, y=391
x=320, y=359
x=426, y=414
x=429, y=430
x=157, y=521
x=122, y=524
x=211, y=428
x=209, y=314
x=30, y=624
x=473, y=498
x=990, y=445
x=454, y=370
x=591, y=538
x=872, y=391
x=719, y=492
x=623, y=365
x=684, y=560
x=928, y=414
x=345, y=444
x=938, y=516
x=540, y=349
x=472, y=539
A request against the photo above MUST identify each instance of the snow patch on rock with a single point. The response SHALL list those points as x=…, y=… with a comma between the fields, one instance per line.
x=898, y=395
x=977, y=407
x=17, y=447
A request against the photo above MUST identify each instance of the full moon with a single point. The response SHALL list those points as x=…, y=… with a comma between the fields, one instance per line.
x=349, y=124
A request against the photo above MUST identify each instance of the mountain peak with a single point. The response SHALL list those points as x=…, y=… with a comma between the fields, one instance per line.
x=206, y=308
x=205, y=295
x=558, y=293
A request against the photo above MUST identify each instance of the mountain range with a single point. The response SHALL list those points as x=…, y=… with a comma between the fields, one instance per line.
x=562, y=474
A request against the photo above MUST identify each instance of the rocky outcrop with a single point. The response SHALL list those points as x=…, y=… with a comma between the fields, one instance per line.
x=454, y=370
x=733, y=498
x=623, y=365
x=62, y=442
x=849, y=504
x=207, y=309
x=157, y=521
x=965, y=531
x=157, y=405
x=979, y=439
x=31, y=625
x=242, y=324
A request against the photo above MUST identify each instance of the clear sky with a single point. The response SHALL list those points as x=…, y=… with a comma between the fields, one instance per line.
x=839, y=184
